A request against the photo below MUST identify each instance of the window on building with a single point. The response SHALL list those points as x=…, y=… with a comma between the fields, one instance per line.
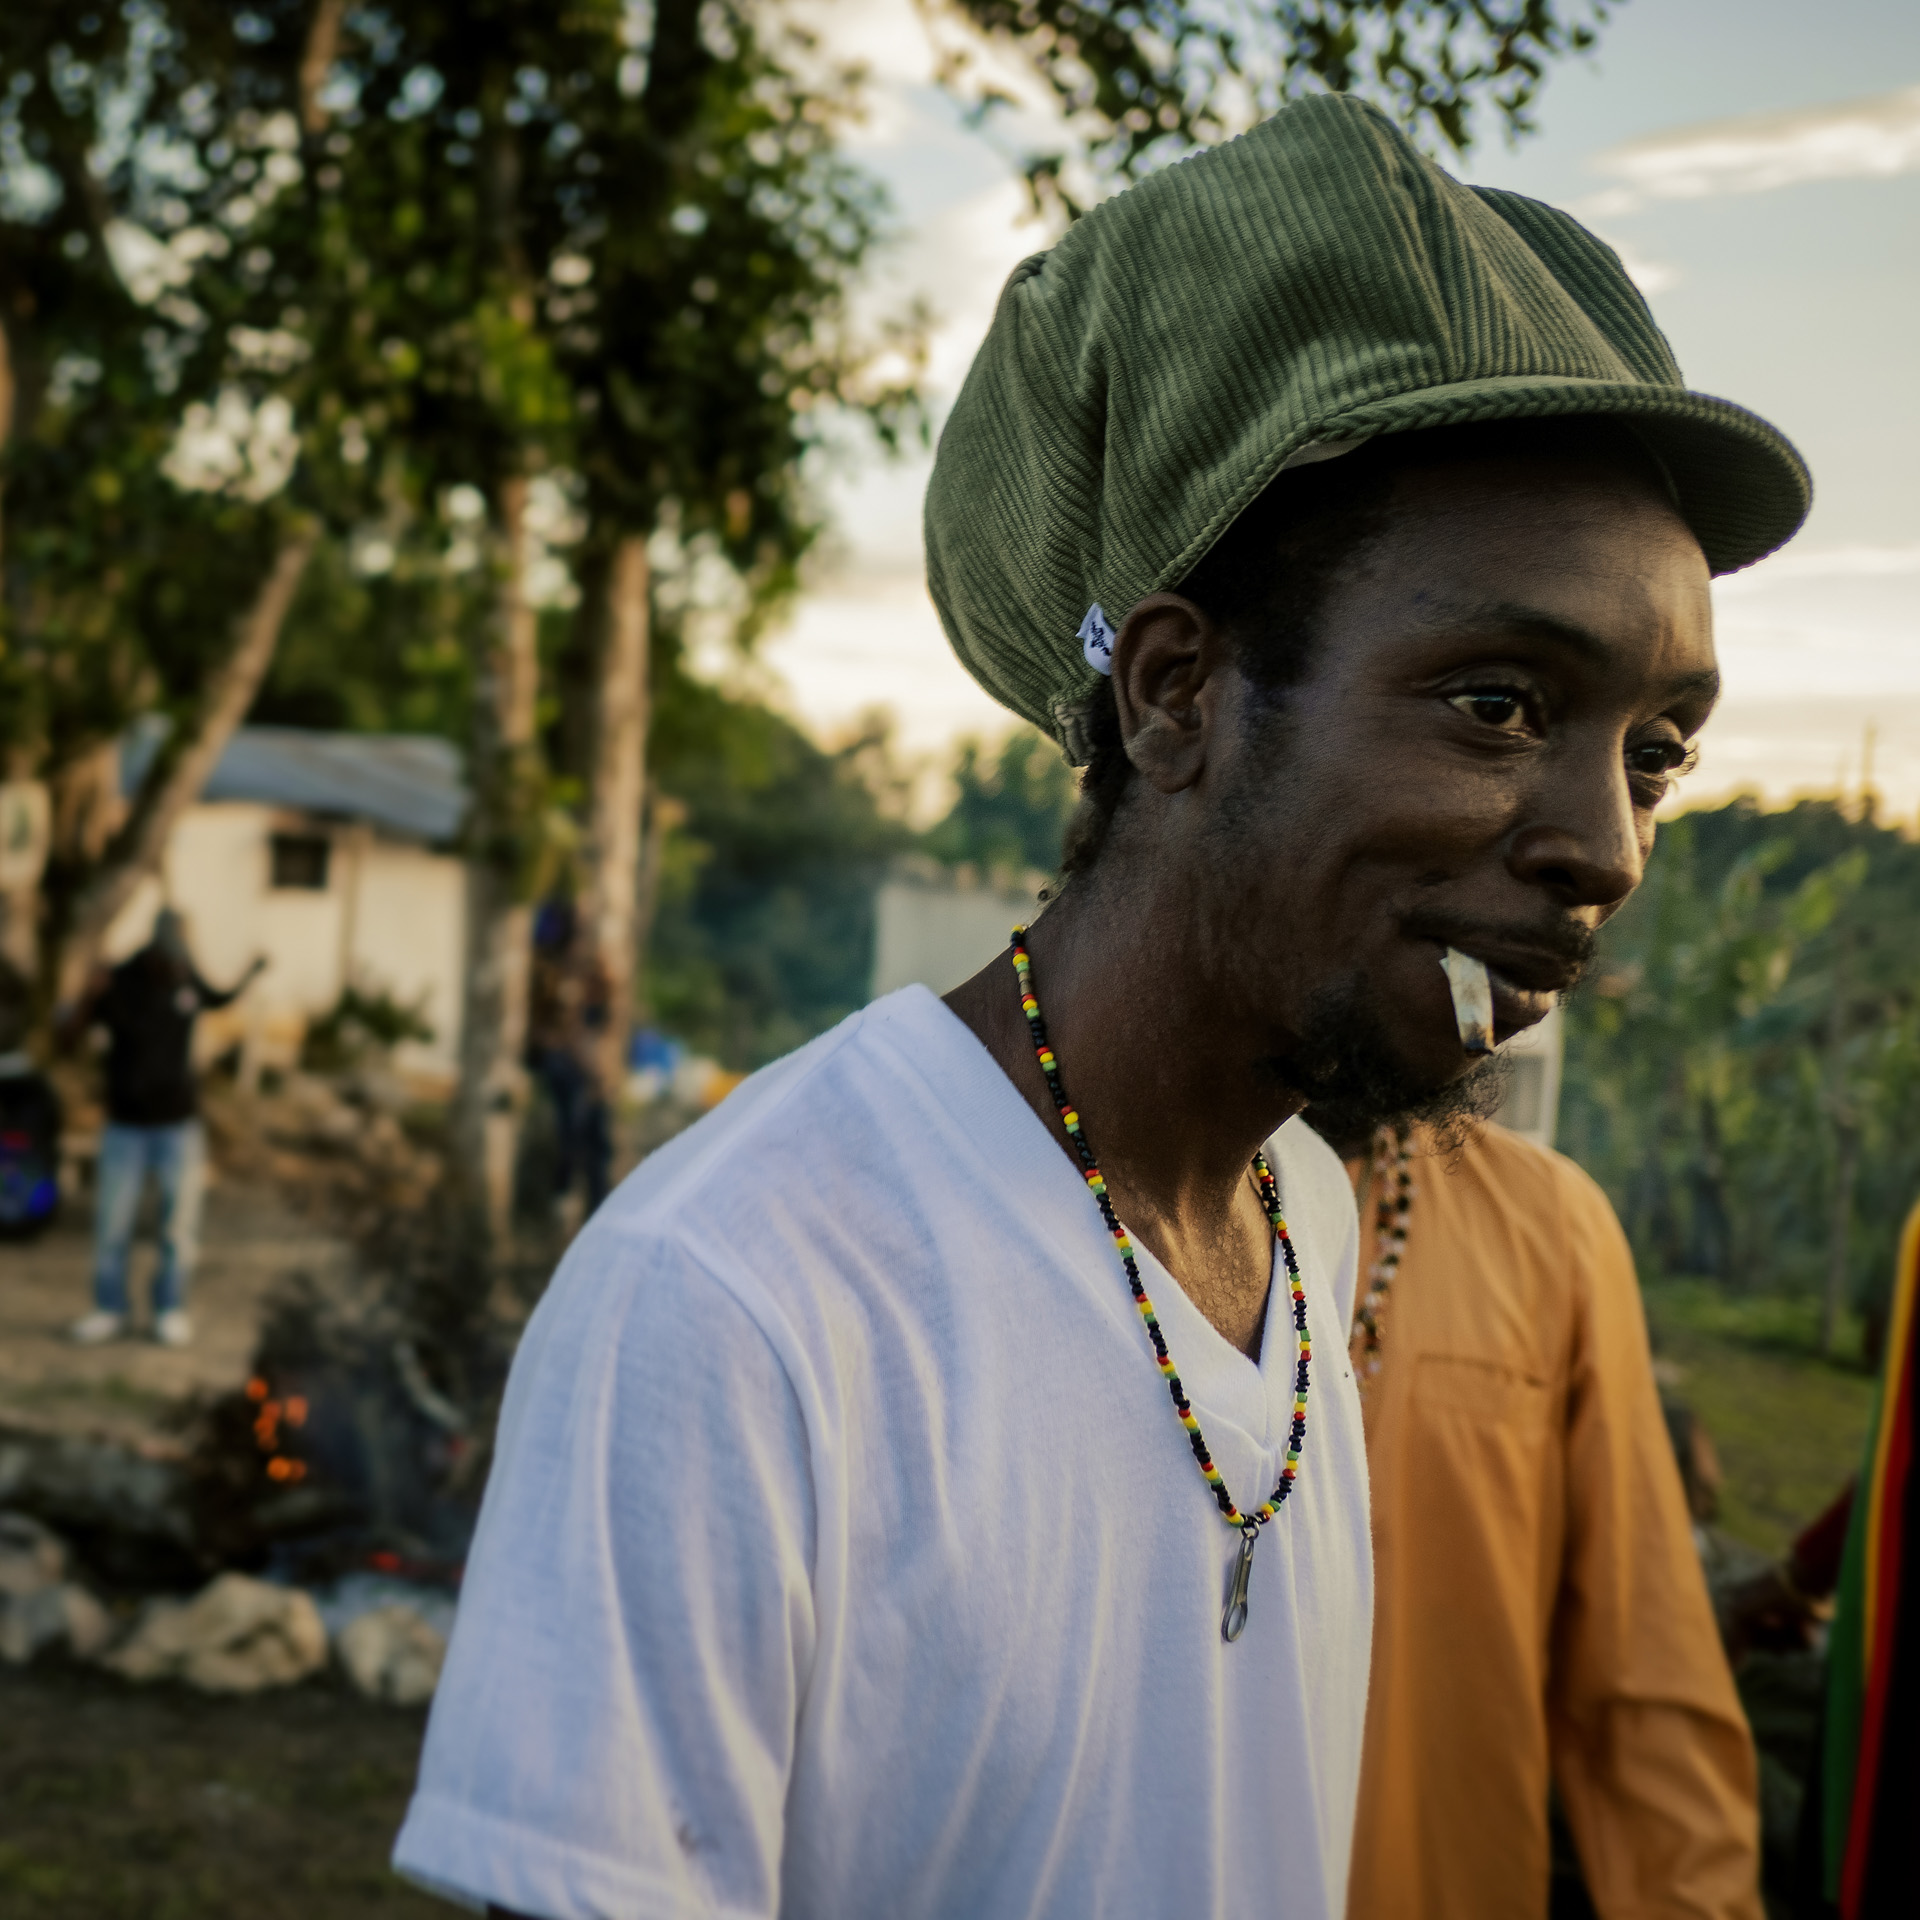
x=300, y=860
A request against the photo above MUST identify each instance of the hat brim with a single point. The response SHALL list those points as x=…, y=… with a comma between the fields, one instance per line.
x=1737, y=481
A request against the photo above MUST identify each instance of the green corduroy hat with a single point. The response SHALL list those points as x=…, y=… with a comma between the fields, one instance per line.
x=1314, y=282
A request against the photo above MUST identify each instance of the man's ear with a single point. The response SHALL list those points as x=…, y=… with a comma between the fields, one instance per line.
x=1167, y=661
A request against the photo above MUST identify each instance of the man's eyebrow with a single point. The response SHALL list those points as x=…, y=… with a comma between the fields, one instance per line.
x=1535, y=623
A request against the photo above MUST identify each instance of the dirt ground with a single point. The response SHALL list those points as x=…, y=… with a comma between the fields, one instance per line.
x=125, y=1389
x=119, y=1803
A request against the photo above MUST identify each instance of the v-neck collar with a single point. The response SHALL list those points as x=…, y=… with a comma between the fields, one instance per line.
x=1029, y=1163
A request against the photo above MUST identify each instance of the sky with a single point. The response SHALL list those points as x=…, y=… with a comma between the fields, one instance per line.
x=1757, y=165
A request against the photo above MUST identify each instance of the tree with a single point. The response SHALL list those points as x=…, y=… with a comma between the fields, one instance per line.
x=150, y=557
x=1143, y=82
x=527, y=251
x=1743, y=1072
x=1011, y=808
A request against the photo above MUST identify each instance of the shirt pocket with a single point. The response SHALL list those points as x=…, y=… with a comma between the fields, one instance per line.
x=1488, y=1393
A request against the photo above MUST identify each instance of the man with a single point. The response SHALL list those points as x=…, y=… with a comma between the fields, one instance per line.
x=1538, y=1601
x=148, y=1005
x=879, y=1526
x=566, y=1045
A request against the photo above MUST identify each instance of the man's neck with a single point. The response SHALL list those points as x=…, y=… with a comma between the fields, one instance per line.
x=1165, y=1088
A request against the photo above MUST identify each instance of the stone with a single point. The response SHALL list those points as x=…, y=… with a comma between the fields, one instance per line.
x=236, y=1635
x=32, y=1557
x=390, y=1653
x=39, y=1606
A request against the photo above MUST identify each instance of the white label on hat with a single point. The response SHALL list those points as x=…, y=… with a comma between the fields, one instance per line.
x=1096, y=639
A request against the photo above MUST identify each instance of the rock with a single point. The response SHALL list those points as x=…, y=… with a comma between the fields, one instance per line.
x=39, y=1607
x=89, y=1626
x=391, y=1654
x=131, y=1512
x=237, y=1635
x=32, y=1557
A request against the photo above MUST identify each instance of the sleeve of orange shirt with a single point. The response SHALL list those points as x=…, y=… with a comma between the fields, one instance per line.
x=1651, y=1752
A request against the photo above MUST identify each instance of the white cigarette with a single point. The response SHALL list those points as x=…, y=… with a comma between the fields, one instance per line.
x=1472, y=1000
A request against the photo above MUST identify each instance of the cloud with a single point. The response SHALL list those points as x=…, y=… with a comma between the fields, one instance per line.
x=1874, y=138
x=1650, y=276
x=1831, y=563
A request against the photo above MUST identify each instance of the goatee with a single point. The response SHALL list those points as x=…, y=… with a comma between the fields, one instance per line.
x=1356, y=1083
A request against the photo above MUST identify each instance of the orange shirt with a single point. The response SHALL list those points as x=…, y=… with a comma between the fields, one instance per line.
x=1539, y=1604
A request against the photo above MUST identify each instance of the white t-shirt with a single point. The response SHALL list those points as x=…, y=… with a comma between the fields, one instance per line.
x=844, y=1557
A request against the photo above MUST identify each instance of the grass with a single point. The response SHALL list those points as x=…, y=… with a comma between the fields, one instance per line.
x=1787, y=1422
x=120, y=1803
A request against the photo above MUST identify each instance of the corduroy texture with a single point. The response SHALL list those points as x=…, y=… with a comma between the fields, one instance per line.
x=1316, y=279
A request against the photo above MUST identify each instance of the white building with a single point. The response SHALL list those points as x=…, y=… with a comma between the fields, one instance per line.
x=330, y=854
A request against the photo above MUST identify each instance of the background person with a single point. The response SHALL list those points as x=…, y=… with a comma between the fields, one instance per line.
x=1539, y=1607
x=148, y=1005
x=569, y=1004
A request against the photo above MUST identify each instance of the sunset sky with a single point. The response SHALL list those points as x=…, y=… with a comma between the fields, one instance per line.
x=1756, y=163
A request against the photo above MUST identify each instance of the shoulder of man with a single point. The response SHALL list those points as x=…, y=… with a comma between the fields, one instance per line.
x=782, y=1144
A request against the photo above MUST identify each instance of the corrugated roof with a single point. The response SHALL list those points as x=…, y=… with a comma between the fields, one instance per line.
x=409, y=783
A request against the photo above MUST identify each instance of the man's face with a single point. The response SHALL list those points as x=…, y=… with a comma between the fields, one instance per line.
x=1503, y=683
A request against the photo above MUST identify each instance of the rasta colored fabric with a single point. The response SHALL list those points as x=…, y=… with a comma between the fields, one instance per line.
x=1316, y=280
x=1871, y=1783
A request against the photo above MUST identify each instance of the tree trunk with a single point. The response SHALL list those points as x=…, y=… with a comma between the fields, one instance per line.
x=617, y=794
x=6, y=433
x=503, y=818
x=180, y=768
x=664, y=813
x=316, y=61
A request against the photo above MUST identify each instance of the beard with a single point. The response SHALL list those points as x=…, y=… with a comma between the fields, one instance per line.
x=1356, y=1083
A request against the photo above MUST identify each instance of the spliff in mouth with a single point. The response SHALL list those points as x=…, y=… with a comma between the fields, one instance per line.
x=1472, y=999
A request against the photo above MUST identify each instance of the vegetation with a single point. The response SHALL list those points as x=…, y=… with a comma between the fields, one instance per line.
x=764, y=931
x=1743, y=1071
x=1787, y=1422
x=457, y=355
x=171, y=1805
x=1010, y=808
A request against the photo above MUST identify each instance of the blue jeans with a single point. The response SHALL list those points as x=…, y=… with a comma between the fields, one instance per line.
x=583, y=1138
x=176, y=1156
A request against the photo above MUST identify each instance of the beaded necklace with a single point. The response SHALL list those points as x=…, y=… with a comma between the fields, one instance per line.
x=1391, y=1178
x=1234, y=1619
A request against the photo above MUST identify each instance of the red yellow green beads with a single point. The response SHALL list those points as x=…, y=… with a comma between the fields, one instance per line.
x=1249, y=1524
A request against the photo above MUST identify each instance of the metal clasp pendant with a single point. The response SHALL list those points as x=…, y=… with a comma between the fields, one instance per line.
x=1233, y=1623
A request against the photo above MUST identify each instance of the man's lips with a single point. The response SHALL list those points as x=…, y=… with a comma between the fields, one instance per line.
x=1526, y=976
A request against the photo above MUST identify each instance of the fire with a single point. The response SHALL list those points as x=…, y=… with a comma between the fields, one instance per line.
x=268, y=1422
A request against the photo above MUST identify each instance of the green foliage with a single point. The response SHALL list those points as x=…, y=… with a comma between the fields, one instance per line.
x=383, y=653
x=1011, y=808
x=764, y=934
x=1147, y=80
x=359, y=1024
x=1787, y=1425
x=1753, y=1011
x=119, y=585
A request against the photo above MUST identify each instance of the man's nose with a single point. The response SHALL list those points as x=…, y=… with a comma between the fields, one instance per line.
x=1585, y=842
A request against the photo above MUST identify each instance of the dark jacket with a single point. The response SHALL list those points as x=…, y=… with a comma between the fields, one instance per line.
x=148, y=1006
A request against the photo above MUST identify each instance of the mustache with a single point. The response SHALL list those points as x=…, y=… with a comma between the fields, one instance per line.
x=1568, y=944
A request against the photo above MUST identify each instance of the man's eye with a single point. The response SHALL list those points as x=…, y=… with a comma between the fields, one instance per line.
x=1506, y=711
x=1661, y=757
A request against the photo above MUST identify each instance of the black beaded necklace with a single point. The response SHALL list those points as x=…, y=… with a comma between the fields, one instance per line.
x=1233, y=1621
